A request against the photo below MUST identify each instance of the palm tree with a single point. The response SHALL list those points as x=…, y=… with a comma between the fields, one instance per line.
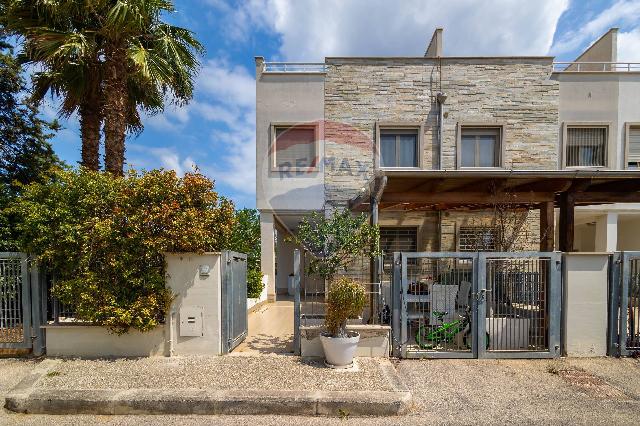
x=58, y=37
x=106, y=59
x=141, y=51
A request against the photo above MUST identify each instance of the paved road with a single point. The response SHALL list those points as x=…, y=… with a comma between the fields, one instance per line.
x=577, y=391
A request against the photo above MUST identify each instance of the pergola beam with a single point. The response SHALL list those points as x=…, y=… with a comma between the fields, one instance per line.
x=547, y=226
x=468, y=198
x=567, y=221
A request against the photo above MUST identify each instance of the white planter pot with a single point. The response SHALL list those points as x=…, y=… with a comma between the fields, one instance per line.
x=339, y=351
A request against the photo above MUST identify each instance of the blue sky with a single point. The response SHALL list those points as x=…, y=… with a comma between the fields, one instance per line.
x=216, y=131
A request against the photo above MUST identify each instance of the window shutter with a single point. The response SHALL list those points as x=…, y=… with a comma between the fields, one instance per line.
x=634, y=145
x=586, y=146
x=295, y=147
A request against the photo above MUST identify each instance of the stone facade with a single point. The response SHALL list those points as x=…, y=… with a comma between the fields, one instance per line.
x=516, y=93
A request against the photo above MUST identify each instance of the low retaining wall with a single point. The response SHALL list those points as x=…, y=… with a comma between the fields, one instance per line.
x=374, y=340
x=90, y=341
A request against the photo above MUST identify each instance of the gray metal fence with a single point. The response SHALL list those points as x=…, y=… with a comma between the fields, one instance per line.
x=234, y=300
x=469, y=305
x=21, y=312
x=310, y=304
x=624, y=304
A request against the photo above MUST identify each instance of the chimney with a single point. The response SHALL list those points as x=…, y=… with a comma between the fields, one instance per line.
x=434, y=50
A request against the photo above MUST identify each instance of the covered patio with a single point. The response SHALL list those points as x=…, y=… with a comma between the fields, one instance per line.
x=474, y=190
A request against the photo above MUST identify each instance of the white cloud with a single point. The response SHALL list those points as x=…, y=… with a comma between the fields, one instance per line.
x=169, y=158
x=620, y=13
x=310, y=30
x=629, y=46
x=225, y=94
x=238, y=166
x=230, y=85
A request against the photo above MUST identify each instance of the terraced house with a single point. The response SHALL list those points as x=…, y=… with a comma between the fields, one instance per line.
x=452, y=153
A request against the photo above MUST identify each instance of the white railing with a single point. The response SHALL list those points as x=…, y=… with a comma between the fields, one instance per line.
x=295, y=67
x=596, y=66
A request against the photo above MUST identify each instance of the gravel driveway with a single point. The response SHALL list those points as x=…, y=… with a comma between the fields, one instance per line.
x=569, y=391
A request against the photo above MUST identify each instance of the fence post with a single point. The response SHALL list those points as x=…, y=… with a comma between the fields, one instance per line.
x=396, y=286
x=613, y=346
x=296, y=301
x=37, y=333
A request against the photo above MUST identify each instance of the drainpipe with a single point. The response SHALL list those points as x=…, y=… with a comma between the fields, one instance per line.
x=440, y=98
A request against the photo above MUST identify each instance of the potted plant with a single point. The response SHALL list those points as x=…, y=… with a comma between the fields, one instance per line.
x=334, y=242
x=345, y=300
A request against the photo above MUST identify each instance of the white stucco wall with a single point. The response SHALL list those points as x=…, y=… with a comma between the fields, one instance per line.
x=629, y=233
x=192, y=289
x=89, y=341
x=585, y=304
x=287, y=98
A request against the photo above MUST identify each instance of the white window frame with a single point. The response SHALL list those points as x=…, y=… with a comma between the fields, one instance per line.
x=481, y=125
x=586, y=124
x=316, y=146
x=383, y=126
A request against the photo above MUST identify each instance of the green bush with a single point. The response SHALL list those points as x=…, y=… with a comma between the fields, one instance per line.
x=245, y=238
x=104, y=238
x=254, y=283
x=346, y=299
x=335, y=241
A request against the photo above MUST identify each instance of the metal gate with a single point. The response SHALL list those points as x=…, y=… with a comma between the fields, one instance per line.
x=477, y=305
x=624, y=304
x=234, y=300
x=21, y=313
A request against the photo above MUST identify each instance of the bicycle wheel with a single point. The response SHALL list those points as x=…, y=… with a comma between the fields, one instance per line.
x=466, y=340
x=427, y=339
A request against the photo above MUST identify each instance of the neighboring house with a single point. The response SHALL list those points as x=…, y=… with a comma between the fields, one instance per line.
x=432, y=145
x=599, y=114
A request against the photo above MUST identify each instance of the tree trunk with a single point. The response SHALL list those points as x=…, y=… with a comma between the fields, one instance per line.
x=115, y=108
x=90, y=131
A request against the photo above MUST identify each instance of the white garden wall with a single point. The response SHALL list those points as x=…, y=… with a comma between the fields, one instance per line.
x=193, y=325
x=585, y=304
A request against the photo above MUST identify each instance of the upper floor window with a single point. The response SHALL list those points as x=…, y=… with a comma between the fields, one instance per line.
x=633, y=146
x=586, y=146
x=294, y=147
x=398, y=148
x=480, y=146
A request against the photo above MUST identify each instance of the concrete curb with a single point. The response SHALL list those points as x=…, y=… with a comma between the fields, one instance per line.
x=27, y=398
x=194, y=401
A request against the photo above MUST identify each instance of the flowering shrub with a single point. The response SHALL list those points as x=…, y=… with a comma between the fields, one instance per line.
x=104, y=238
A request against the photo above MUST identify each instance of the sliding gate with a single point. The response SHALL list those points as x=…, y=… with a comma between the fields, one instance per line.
x=477, y=305
x=624, y=304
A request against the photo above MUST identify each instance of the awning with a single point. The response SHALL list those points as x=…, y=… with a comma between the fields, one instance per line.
x=479, y=189
x=412, y=190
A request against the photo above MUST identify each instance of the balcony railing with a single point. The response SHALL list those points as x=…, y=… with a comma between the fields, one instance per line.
x=596, y=66
x=295, y=67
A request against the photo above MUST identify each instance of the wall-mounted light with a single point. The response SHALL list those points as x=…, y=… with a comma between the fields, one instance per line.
x=204, y=270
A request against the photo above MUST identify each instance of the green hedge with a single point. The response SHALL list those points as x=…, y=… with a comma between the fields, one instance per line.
x=104, y=238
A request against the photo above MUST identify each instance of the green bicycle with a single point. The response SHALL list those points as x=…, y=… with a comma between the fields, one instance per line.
x=429, y=337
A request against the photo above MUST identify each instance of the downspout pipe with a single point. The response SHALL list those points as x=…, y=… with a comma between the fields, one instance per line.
x=441, y=99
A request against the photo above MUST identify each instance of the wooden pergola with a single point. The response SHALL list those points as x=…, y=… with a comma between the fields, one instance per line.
x=424, y=190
